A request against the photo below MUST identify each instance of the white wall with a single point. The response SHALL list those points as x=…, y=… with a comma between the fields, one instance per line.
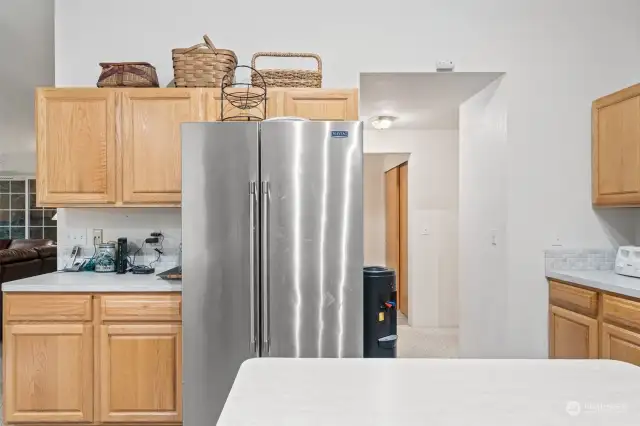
x=433, y=205
x=483, y=215
x=374, y=213
x=134, y=223
x=27, y=52
x=558, y=56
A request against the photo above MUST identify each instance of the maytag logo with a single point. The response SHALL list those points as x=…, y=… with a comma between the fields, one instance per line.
x=339, y=134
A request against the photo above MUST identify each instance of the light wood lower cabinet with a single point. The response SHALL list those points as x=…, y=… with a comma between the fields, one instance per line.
x=48, y=373
x=99, y=359
x=140, y=375
x=572, y=335
x=620, y=344
x=593, y=324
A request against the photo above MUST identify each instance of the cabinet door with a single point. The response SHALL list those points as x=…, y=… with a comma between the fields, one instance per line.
x=151, y=146
x=239, y=110
x=616, y=149
x=76, y=146
x=49, y=373
x=322, y=104
x=572, y=335
x=620, y=344
x=140, y=373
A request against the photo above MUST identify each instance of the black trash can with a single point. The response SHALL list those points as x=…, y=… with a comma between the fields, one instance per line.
x=380, y=315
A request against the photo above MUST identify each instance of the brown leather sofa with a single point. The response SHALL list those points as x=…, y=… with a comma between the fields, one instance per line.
x=26, y=258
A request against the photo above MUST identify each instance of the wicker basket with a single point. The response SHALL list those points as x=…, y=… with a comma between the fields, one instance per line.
x=203, y=65
x=127, y=74
x=285, y=77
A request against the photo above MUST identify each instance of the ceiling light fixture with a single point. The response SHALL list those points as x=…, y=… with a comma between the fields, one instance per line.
x=382, y=122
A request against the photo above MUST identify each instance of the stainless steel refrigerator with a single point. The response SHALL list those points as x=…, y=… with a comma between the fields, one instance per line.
x=272, y=234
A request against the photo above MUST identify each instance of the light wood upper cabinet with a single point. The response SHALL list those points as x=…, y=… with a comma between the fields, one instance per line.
x=48, y=373
x=620, y=344
x=151, y=147
x=320, y=104
x=76, y=147
x=122, y=147
x=616, y=148
x=572, y=335
x=141, y=373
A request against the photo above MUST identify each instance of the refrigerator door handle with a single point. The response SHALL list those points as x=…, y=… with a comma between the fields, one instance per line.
x=266, y=343
x=253, y=201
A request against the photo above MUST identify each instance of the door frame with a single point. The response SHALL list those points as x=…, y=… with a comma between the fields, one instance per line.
x=396, y=240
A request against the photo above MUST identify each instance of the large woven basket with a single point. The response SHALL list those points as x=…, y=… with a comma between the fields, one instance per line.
x=287, y=77
x=203, y=65
x=127, y=74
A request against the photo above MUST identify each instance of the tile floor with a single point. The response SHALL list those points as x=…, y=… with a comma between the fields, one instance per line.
x=426, y=342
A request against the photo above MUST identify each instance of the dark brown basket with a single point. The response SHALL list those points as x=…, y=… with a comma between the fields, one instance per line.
x=203, y=65
x=127, y=74
x=287, y=77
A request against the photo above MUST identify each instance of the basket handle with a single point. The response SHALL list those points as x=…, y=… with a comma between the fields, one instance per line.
x=287, y=55
x=207, y=43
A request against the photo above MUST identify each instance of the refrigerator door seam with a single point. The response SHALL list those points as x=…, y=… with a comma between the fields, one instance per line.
x=253, y=198
x=265, y=270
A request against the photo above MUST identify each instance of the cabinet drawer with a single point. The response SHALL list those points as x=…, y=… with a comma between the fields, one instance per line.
x=573, y=298
x=47, y=307
x=622, y=311
x=141, y=307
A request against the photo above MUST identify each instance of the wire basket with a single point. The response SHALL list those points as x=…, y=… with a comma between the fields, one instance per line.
x=243, y=101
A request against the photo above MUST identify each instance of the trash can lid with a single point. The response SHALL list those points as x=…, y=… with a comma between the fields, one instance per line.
x=378, y=271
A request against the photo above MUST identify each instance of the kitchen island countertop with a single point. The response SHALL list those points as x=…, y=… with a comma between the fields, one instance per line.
x=455, y=392
x=92, y=282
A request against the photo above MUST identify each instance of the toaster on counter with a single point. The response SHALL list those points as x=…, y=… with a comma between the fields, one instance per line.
x=628, y=261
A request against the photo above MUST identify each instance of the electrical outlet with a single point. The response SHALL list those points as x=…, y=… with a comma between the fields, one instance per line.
x=97, y=237
x=77, y=237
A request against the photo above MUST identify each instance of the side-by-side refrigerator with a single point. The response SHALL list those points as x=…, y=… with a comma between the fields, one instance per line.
x=272, y=236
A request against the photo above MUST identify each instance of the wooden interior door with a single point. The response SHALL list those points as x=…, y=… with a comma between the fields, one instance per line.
x=396, y=246
x=403, y=279
x=322, y=104
x=141, y=373
x=76, y=146
x=572, y=335
x=620, y=344
x=52, y=373
x=392, y=219
x=151, y=144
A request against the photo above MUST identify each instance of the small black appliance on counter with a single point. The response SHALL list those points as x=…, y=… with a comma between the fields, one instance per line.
x=122, y=256
x=380, y=314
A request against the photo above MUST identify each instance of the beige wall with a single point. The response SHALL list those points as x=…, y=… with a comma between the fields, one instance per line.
x=374, y=219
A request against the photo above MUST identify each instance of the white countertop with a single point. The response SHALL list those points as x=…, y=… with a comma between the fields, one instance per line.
x=460, y=392
x=601, y=280
x=92, y=282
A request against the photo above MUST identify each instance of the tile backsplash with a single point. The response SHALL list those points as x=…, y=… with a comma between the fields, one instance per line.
x=579, y=259
x=134, y=223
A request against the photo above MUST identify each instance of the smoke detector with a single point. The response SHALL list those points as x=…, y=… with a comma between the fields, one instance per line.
x=382, y=122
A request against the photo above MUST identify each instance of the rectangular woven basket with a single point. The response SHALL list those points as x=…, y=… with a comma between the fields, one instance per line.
x=286, y=77
x=203, y=65
x=127, y=74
